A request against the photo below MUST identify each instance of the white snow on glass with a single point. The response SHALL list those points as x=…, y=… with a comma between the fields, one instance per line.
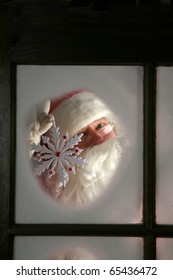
x=58, y=155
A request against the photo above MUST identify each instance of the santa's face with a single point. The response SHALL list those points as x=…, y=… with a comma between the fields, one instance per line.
x=95, y=133
x=99, y=147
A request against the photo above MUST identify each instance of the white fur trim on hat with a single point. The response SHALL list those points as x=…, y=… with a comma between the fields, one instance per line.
x=78, y=111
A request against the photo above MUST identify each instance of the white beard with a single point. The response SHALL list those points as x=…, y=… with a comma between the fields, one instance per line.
x=88, y=183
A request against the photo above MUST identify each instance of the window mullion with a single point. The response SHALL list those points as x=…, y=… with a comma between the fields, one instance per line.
x=149, y=159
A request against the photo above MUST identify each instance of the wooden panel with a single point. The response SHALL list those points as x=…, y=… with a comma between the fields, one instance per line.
x=83, y=35
x=4, y=138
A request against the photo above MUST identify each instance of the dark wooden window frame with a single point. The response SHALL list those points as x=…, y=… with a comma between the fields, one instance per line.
x=47, y=32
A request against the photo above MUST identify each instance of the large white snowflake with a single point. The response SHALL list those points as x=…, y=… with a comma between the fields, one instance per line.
x=58, y=155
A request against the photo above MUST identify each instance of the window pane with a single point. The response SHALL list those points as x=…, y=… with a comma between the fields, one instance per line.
x=121, y=88
x=164, y=144
x=90, y=247
x=165, y=249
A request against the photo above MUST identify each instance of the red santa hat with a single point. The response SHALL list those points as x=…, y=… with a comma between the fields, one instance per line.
x=77, y=109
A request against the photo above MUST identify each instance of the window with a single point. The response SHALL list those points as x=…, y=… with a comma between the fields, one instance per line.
x=33, y=42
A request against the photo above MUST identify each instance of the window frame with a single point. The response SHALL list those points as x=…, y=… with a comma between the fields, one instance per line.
x=132, y=49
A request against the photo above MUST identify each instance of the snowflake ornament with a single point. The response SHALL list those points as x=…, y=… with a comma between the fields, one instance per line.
x=58, y=155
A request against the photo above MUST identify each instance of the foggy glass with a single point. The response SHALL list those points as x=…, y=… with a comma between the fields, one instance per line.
x=121, y=88
x=164, y=162
x=164, y=249
x=105, y=248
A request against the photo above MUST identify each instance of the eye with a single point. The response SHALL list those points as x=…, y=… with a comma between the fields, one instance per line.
x=99, y=126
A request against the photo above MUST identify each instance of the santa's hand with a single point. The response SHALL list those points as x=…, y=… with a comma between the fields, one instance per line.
x=45, y=122
x=41, y=123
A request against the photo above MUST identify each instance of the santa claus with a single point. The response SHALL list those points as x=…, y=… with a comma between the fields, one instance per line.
x=83, y=113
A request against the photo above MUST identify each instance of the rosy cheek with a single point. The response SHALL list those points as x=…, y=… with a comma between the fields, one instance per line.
x=84, y=145
x=85, y=141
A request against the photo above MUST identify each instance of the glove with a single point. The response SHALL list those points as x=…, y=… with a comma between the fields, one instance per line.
x=40, y=123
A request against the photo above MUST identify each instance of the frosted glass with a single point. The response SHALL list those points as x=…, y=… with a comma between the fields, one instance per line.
x=121, y=88
x=164, y=249
x=164, y=145
x=31, y=248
